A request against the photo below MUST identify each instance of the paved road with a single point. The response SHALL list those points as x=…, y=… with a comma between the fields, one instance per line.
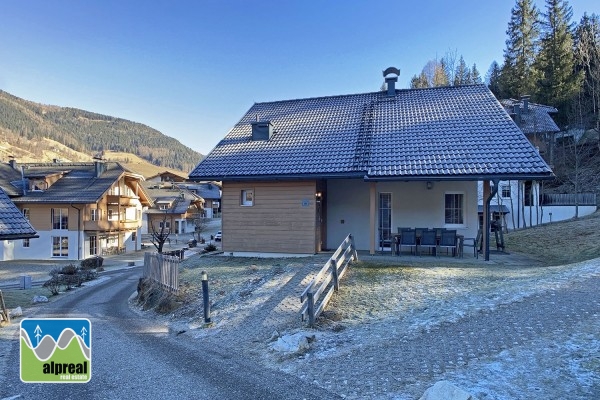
x=135, y=358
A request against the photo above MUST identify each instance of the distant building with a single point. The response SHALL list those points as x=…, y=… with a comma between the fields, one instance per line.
x=78, y=209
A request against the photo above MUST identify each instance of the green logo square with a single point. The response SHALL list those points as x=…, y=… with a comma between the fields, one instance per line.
x=56, y=350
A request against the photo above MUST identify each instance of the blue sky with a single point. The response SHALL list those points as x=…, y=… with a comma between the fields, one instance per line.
x=192, y=68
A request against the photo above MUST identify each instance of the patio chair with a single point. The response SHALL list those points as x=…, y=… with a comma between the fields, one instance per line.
x=428, y=240
x=448, y=241
x=475, y=242
x=408, y=238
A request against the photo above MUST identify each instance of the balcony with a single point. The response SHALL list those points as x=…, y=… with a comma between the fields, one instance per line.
x=112, y=225
x=125, y=201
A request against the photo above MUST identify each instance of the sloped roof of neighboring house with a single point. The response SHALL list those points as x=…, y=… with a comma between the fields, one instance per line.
x=171, y=195
x=535, y=118
x=13, y=225
x=78, y=183
x=206, y=190
x=169, y=176
x=10, y=180
x=459, y=132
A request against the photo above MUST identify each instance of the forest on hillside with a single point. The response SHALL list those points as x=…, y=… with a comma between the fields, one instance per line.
x=91, y=133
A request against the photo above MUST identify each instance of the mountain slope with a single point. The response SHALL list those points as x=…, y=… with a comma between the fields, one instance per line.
x=25, y=125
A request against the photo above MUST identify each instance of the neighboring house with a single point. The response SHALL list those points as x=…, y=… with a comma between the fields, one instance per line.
x=14, y=227
x=211, y=193
x=166, y=176
x=175, y=207
x=300, y=175
x=521, y=203
x=78, y=209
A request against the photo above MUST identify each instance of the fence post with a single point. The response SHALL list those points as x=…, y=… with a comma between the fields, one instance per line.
x=205, y=299
x=334, y=272
x=310, y=307
x=354, y=252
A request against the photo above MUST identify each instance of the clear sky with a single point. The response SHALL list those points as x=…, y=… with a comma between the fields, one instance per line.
x=191, y=69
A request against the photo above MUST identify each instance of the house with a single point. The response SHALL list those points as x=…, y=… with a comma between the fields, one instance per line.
x=522, y=203
x=299, y=175
x=13, y=226
x=166, y=176
x=211, y=193
x=78, y=209
x=175, y=207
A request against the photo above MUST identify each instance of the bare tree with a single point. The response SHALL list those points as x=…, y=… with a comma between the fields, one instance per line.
x=161, y=235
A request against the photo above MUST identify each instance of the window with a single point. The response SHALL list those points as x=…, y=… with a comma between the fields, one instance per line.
x=505, y=190
x=112, y=240
x=247, y=197
x=133, y=236
x=93, y=245
x=94, y=214
x=25, y=242
x=26, y=214
x=385, y=219
x=111, y=215
x=60, y=246
x=60, y=218
x=167, y=225
x=454, y=209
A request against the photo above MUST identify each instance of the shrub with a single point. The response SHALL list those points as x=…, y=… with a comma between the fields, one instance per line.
x=53, y=284
x=92, y=262
x=210, y=247
x=70, y=269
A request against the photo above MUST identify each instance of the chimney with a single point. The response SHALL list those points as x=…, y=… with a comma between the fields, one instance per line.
x=262, y=130
x=99, y=167
x=517, y=109
x=12, y=162
x=391, y=75
x=525, y=100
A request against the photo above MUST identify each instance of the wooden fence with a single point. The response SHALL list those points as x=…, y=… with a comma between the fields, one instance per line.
x=163, y=270
x=568, y=199
x=317, y=294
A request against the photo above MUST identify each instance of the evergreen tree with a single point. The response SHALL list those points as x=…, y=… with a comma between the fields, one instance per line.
x=587, y=58
x=418, y=82
x=518, y=75
x=475, y=77
x=462, y=74
x=492, y=79
x=559, y=81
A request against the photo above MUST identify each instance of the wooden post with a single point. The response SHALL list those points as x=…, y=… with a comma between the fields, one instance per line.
x=354, y=252
x=311, y=308
x=372, y=216
x=486, y=218
x=334, y=272
x=5, y=312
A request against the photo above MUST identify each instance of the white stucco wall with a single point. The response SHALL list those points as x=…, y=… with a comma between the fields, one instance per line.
x=41, y=248
x=7, y=249
x=413, y=205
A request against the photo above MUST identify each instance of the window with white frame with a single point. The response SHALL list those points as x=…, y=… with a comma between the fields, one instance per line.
x=26, y=213
x=133, y=236
x=94, y=214
x=247, y=198
x=60, y=246
x=505, y=191
x=454, y=209
x=111, y=215
x=25, y=242
x=60, y=218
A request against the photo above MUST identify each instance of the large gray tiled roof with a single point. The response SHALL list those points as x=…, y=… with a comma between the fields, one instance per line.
x=13, y=225
x=79, y=184
x=458, y=132
x=535, y=118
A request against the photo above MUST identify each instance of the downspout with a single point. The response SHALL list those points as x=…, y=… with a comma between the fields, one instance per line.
x=78, y=231
x=486, y=210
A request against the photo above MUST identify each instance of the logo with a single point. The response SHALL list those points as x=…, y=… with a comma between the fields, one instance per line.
x=56, y=350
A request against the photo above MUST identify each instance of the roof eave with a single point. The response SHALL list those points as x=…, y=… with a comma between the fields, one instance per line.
x=472, y=177
x=330, y=175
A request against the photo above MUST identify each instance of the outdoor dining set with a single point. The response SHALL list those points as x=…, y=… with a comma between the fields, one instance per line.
x=433, y=240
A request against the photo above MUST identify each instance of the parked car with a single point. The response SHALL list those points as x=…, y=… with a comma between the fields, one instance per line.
x=218, y=236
